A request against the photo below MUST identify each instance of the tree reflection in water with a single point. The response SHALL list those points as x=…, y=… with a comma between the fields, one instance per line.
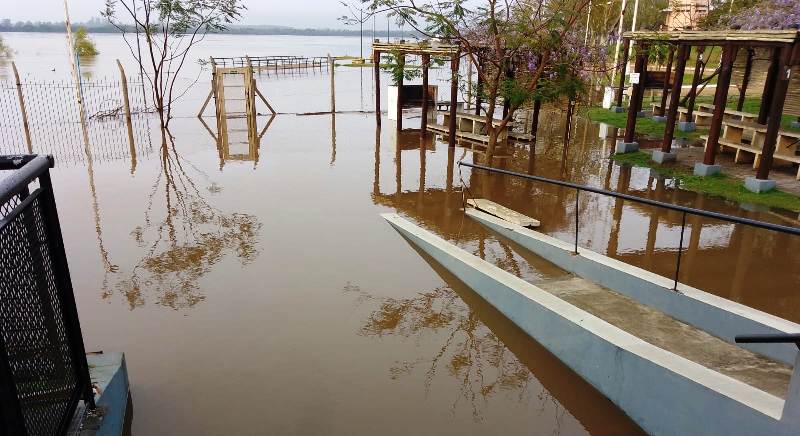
x=189, y=238
x=470, y=352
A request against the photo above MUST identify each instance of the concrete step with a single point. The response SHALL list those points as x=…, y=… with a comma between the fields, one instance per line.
x=674, y=336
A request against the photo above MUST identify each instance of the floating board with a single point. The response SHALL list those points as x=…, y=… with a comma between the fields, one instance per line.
x=503, y=212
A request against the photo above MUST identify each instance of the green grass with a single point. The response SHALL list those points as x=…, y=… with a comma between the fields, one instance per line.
x=718, y=185
x=644, y=126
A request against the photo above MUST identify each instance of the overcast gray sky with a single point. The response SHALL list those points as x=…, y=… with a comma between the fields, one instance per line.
x=294, y=13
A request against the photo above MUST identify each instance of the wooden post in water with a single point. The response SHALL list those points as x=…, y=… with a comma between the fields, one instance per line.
x=376, y=60
x=401, y=61
x=22, y=109
x=468, y=100
x=75, y=76
x=640, y=67
x=332, y=68
x=451, y=128
x=423, y=125
x=478, y=87
x=127, y=106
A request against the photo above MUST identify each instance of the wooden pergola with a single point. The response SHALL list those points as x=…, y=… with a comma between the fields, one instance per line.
x=425, y=50
x=783, y=47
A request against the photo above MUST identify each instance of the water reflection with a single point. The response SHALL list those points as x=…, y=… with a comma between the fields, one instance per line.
x=469, y=352
x=746, y=265
x=238, y=138
x=183, y=237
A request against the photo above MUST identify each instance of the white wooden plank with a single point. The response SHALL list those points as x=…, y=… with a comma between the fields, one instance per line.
x=503, y=212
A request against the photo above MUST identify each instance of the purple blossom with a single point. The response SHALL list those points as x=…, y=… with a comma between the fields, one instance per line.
x=769, y=14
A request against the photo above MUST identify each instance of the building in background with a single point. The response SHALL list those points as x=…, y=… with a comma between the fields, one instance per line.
x=685, y=14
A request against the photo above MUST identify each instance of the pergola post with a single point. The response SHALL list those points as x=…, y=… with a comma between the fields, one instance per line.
x=769, y=85
x=622, y=66
x=761, y=182
x=666, y=88
x=748, y=68
x=689, y=125
x=708, y=167
x=376, y=60
x=640, y=67
x=451, y=128
x=478, y=88
x=401, y=61
x=666, y=153
x=423, y=126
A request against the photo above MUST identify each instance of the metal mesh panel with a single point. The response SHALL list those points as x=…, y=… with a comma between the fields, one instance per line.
x=32, y=320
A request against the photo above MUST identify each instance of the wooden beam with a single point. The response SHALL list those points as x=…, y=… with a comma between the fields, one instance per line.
x=698, y=66
x=769, y=86
x=423, y=124
x=401, y=61
x=127, y=105
x=775, y=111
x=720, y=100
x=674, y=98
x=637, y=94
x=666, y=88
x=451, y=133
x=376, y=60
x=748, y=68
x=478, y=88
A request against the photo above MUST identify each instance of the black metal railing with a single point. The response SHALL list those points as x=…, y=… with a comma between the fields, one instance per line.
x=769, y=338
x=43, y=368
x=674, y=207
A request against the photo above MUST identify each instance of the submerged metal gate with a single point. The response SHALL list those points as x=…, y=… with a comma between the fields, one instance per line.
x=43, y=369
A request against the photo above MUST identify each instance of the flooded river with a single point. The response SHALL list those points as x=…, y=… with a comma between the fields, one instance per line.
x=260, y=292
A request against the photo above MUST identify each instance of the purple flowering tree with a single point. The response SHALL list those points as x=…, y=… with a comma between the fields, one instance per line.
x=769, y=14
x=522, y=50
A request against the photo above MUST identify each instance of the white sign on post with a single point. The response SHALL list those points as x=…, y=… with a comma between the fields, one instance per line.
x=634, y=78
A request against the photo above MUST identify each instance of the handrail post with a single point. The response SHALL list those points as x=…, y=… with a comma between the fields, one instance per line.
x=680, y=251
x=577, y=195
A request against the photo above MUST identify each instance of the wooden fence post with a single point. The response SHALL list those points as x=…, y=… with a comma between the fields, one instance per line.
x=127, y=105
x=22, y=109
x=332, y=68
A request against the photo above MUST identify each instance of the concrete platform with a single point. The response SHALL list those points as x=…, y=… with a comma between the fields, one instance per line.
x=675, y=336
x=503, y=212
x=665, y=393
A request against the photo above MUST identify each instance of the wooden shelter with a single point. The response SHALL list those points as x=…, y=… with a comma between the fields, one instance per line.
x=424, y=49
x=780, y=50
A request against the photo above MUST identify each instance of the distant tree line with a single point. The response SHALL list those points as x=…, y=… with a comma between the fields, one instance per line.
x=99, y=26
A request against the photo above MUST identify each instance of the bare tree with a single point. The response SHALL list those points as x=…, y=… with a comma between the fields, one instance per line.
x=170, y=29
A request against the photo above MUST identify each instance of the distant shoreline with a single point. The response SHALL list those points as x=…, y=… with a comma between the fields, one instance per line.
x=233, y=30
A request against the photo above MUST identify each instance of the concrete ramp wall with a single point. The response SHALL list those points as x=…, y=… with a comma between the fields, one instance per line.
x=716, y=315
x=662, y=392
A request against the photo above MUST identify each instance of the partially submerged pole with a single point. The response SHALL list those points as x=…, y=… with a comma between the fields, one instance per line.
x=127, y=106
x=451, y=128
x=22, y=109
x=423, y=127
x=332, y=68
x=401, y=62
x=75, y=76
x=376, y=60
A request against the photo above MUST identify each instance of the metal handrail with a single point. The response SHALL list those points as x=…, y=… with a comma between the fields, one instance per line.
x=770, y=338
x=682, y=209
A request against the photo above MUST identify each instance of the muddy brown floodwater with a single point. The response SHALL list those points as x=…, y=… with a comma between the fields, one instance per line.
x=258, y=291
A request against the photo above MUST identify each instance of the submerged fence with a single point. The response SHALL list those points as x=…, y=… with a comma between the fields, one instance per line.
x=44, y=117
x=43, y=368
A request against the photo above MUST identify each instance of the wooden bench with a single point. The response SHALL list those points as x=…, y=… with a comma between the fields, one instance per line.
x=473, y=126
x=786, y=148
x=700, y=118
x=729, y=114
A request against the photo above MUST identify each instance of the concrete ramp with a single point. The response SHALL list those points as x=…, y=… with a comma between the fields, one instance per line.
x=663, y=391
